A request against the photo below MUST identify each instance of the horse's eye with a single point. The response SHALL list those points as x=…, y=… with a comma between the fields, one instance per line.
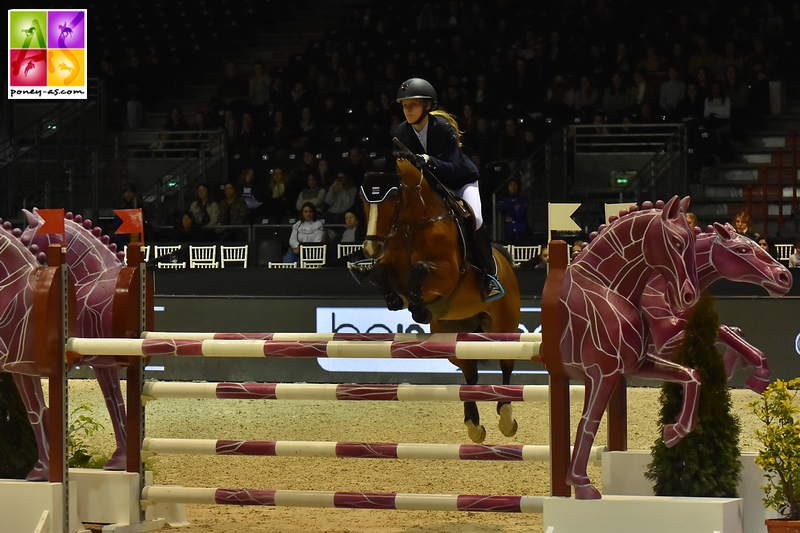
x=678, y=244
x=741, y=250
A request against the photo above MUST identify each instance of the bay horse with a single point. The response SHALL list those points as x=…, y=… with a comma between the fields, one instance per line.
x=720, y=253
x=603, y=335
x=420, y=263
x=94, y=265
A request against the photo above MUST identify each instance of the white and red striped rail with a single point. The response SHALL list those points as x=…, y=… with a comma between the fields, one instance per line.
x=349, y=392
x=396, y=337
x=476, y=350
x=356, y=450
x=344, y=500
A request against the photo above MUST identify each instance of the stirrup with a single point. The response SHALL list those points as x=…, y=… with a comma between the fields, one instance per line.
x=360, y=270
x=491, y=289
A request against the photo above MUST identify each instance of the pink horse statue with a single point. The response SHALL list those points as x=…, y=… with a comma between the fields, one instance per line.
x=18, y=272
x=94, y=266
x=603, y=334
x=720, y=253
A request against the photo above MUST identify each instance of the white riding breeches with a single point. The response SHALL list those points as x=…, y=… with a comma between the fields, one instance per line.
x=471, y=194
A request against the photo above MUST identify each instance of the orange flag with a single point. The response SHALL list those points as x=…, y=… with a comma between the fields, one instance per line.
x=52, y=222
x=132, y=221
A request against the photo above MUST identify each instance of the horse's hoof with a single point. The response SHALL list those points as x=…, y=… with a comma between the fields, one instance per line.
x=672, y=435
x=508, y=425
x=117, y=462
x=394, y=303
x=476, y=433
x=757, y=383
x=421, y=314
x=587, y=492
x=40, y=472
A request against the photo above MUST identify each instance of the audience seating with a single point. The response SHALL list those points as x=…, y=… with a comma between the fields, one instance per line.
x=233, y=254
x=203, y=256
x=312, y=255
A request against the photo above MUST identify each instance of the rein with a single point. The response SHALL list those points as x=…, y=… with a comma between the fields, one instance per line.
x=405, y=229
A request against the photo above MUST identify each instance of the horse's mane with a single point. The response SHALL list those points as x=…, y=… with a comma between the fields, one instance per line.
x=84, y=225
x=38, y=255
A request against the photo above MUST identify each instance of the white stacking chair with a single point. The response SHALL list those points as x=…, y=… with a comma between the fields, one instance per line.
x=344, y=250
x=312, y=255
x=784, y=251
x=162, y=250
x=281, y=265
x=233, y=254
x=203, y=256
x=525, y=253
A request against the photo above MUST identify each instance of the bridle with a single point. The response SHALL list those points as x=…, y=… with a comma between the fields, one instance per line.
x=397, y=226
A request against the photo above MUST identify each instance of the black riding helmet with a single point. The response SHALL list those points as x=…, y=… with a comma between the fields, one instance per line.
x=417, y=88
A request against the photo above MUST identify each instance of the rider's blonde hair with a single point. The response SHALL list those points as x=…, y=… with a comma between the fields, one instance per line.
x=452, y=120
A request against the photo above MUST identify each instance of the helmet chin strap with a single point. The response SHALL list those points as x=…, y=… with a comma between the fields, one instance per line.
x=424, y=114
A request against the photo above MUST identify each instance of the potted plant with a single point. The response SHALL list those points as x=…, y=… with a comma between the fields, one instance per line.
x=779, y=455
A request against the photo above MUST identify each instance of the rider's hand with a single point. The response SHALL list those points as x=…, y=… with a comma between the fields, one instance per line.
x=420, y=160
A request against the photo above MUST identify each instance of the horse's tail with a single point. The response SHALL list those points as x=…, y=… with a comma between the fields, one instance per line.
x=504, y=251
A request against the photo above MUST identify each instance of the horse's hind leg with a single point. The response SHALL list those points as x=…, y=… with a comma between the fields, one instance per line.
x=30, y=389
x=472, y=419
x=598, y=392
x=108, y=379
x=508, y=425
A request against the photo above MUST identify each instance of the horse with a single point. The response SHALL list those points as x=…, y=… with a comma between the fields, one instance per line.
x=94, y=266
x=720, y=253
x=419, y=263
x=30, y=66
x=29, y=31
x=64, y=66
x=66, y=31
x=18, y=271
x=603, y=334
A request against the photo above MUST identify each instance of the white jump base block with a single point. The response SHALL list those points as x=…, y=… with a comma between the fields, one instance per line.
x=637, y=514
x=114, y=498
x=623, y=474
x=23, y=505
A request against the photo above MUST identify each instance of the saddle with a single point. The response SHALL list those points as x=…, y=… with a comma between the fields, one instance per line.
x=465, y=221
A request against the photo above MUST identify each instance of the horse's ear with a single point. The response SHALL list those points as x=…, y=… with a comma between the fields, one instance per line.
x=722, y=231
x=32, y=220
x=672, y=210
x=685, y=203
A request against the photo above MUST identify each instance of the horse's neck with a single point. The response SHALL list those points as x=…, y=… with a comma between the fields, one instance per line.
x=17, y=274
x=707, y=272
x=616, y=256
x=87, y=256
x=426, y=204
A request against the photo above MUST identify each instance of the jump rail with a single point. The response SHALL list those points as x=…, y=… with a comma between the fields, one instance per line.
x=306, y=349
x=344, y=500
x=356, y=450
x=396, y=337
x=347, y=392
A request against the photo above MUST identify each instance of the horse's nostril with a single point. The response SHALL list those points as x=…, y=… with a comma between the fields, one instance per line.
x=784, y=278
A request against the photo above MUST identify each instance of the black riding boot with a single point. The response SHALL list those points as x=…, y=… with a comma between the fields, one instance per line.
x=491, y=289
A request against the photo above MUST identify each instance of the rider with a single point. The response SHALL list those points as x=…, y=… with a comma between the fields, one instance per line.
x=434, y=137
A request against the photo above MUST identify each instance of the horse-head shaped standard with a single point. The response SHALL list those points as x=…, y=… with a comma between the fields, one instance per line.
x=670, y=249
x=739, y=258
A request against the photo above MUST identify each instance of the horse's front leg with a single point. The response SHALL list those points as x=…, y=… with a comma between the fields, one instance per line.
x=30, y=389
x=472, y=419
x=748, y=354
x=689, y=379
x=416, y=304
x=508, y=424
x=380, y=276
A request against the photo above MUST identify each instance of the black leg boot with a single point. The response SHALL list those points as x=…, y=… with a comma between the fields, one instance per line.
x=491, y=289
